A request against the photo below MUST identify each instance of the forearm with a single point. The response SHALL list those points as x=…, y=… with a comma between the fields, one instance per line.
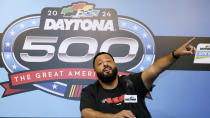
x=162, y=64
x=90, y=113
x=149, y=75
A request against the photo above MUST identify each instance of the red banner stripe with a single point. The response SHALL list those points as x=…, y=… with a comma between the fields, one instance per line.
x=80, y=89
x=9, y=91
x=75, y=94
x=53, y=74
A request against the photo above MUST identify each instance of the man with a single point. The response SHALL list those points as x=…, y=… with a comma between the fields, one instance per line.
x=107, y=97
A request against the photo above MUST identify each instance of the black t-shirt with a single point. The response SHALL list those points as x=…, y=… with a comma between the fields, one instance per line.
x=112, y=101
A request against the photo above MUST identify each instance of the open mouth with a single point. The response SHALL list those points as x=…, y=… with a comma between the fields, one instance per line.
x=107, y=69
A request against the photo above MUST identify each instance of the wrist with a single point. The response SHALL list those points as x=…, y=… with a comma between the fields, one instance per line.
x=174, y=55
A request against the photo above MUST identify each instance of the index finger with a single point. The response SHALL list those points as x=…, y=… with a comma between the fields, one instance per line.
x=188, y=42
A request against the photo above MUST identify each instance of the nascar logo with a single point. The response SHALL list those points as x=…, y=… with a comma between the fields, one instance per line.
x=81, y=10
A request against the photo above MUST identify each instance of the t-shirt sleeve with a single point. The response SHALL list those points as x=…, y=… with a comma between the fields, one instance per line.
x=138, y=84
x=87, y=99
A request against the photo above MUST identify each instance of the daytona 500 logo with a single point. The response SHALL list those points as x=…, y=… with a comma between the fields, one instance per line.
x=53, y=51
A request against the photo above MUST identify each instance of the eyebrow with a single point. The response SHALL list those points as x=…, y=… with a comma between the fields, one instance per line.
x=104, y=58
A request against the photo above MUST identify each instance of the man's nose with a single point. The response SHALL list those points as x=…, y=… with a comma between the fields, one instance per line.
x=105, y=64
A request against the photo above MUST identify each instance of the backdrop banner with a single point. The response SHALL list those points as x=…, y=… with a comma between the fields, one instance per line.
x=165, y=45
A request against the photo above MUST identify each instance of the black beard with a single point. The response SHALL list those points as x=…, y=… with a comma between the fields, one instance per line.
x=108, y=78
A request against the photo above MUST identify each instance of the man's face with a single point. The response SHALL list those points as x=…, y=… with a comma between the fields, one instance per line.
x=105, y=68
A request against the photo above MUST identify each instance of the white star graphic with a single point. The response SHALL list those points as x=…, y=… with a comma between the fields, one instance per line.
x=54, y=86
x=22, y=25
x=14, y=66
x=7, y=56
x=33, y=22
x=7, y=44
x=142, y=68
x=124, y=24
x=144, y=35
x=135, y=27
x=12, y=32
x=148, y=58
x=149, y=46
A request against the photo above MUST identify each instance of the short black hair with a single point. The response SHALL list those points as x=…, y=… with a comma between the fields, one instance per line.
x=100, y=53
